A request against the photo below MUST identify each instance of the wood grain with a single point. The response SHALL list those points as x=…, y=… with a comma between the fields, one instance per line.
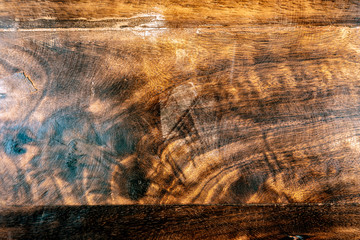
x=181, y=116
x=276, y=222
x=170, y=13
x=145, y=104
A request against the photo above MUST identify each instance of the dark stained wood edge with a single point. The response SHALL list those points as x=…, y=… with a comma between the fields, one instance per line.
x=299, y=221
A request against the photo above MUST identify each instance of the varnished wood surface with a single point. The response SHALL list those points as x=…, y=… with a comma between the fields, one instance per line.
x=180, y=116
x=275, y=222
x=212, y=102
x=131, y=103
x=191, y=13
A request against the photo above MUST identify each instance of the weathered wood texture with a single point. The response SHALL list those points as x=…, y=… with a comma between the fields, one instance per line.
x=278, y=222
x=180, y=116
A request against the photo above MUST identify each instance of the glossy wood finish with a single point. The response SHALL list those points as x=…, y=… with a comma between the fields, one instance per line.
x=191, y=102
x=268, y=222
x=188, y=13
x=182, y=116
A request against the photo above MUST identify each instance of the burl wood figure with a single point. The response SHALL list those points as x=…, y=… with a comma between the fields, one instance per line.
x=180, y=102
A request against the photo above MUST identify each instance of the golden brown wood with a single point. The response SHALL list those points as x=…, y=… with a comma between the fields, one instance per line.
x=190, y=13
x=181, y=116
x=179, y=102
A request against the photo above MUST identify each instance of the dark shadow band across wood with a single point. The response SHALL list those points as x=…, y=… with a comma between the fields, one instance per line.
x=300, y=221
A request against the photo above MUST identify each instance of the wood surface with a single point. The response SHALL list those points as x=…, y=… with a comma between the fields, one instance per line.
x=180, y=116
x=267, y=222
x=152, y=103
x=184, y=13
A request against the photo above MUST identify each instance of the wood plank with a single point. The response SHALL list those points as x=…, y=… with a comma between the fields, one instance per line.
x=209, y=13
x=180, y=116
x=277, y=222
x=128, y=103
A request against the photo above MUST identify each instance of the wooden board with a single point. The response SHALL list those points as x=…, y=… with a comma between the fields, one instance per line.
x=188, y=13
x=146, y=104
x=181, y=116
x=276, y=222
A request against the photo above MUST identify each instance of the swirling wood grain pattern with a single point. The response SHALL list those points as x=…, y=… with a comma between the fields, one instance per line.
x=166, y=116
